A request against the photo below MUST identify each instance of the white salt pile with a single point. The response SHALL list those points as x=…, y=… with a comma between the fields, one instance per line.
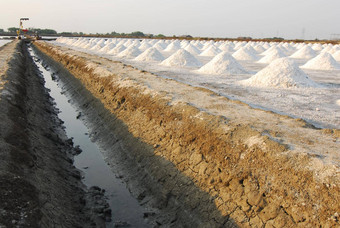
x=239, y=45
x=323, y=61
x=272, y=55
x=116, y=50
x=244, y=54
x=223, y=63
x=87, y=44
x=98, y=46
x=227, y=47
x=130, y=52
x=259, y=49
x=151, y=54
x=211, y=51
x=107, y=47
x=172, y=47
x=281, y=73
x=336, y=56
x=161, y=44
x=192, y=49
x=144, y=46
x=272, y=48
x=181, y=58
x=304, y=53
x=250, y=49
x=317, y=47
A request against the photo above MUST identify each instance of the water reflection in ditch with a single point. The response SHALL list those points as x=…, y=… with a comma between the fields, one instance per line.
x=126, y=212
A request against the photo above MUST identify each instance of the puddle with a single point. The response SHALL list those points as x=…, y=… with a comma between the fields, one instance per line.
x=126, y=212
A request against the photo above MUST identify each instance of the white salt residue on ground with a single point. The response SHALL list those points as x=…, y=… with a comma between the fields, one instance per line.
x=324, y=61
x=318, y=105
x=3, y=42
x=281, y=73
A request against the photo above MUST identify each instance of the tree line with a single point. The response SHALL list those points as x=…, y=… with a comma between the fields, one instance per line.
x=13, y=30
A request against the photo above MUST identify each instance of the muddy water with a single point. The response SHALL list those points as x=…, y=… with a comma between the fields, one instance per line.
x=126, y=212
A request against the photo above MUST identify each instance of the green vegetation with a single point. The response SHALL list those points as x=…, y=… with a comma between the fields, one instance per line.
x=43, y=31
x=12, y=29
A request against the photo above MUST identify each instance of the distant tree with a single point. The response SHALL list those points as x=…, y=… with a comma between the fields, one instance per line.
x=114, y=33
x=12, y=29
x=49, y=31
x=160, y=36
x=137, y=34
x=66, y=33
x=43, y=31
x=277, y=38
x=1, y=30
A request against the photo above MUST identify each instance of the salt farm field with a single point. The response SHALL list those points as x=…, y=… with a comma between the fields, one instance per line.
x=278, y=79
x=3, y=42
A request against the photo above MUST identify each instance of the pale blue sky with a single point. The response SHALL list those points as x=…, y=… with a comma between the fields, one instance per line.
x=212, y=18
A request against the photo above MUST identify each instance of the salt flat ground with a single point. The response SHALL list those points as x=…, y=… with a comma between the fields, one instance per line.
x=318, y=105
x=3, y=42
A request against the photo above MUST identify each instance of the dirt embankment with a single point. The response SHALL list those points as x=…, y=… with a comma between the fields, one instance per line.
x=250, y=177
x=39, y=186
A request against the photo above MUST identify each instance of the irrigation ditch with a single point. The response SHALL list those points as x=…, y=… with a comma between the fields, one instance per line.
x=169, y=198
x=152, y=164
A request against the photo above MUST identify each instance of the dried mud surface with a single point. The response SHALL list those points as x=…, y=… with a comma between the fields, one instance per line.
x=254, y=174
x=39, y=186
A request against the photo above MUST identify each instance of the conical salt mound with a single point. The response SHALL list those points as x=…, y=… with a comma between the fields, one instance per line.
x=107, y=47
x=151, y=54
x=336, y=56
x=174, y=46
x=324, y=61
x=317, y=47
x=226, y=47
x=192, y=49
x=272, y=55
x=304, y=53
x=181, y=58
x=130, y=52
x=116, y=50
x=223, y=63
x=144, y=46
x=97, y=47
x=250, y=49
x=281, y=73
x=259, y=49
x=211, y=51
x=244, y=54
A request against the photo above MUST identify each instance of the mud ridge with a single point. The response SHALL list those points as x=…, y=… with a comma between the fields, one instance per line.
x=249, y=178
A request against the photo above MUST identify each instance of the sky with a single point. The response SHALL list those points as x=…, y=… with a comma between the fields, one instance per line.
x=290, y=19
